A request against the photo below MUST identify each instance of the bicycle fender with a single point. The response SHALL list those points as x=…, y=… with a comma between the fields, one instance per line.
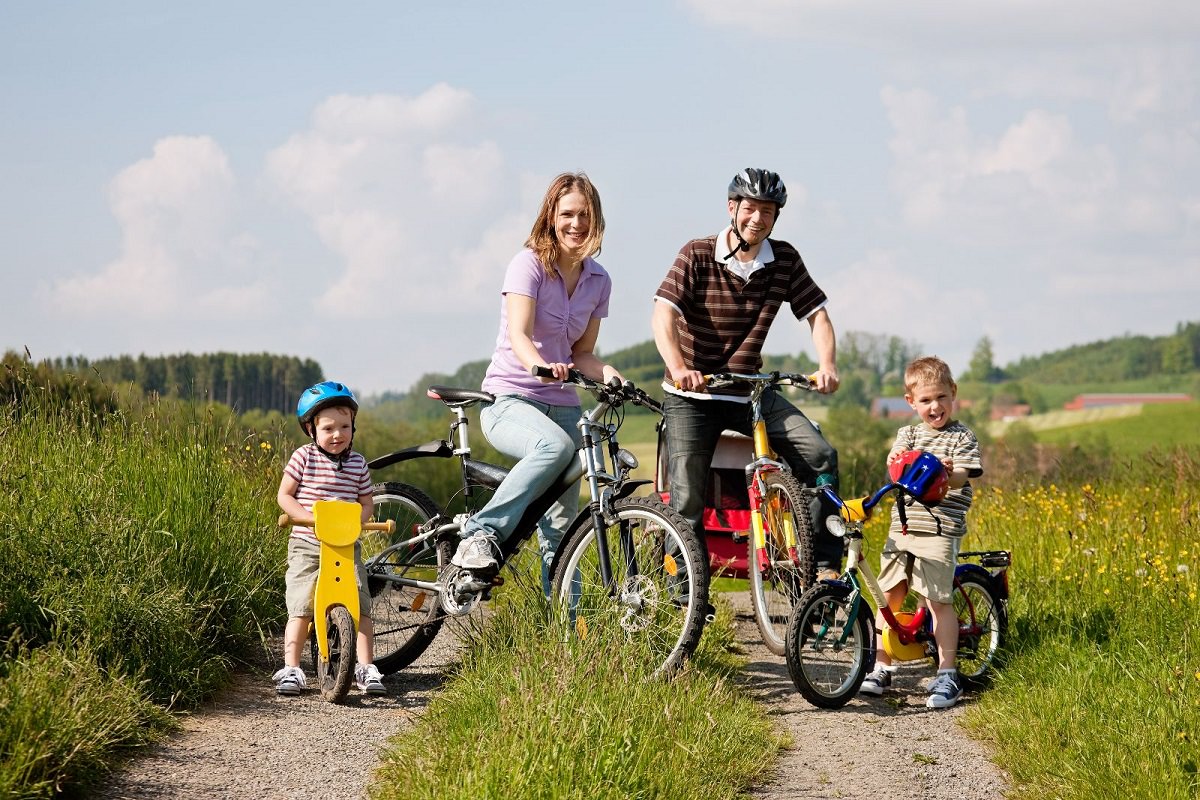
x=983, y=574
x=629, y=487
x=437, y=449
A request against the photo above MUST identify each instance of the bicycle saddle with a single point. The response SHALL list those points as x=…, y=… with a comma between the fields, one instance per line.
x=452, y=396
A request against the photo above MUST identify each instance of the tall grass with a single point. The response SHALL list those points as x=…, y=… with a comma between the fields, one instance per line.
x=1103, y=676
x=537, y=713
x=139, y=561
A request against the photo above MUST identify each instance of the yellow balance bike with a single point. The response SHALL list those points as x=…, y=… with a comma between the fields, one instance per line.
x=338, y=524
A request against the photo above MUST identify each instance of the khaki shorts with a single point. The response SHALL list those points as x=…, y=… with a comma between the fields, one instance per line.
x=304, y=558
x=926, y=561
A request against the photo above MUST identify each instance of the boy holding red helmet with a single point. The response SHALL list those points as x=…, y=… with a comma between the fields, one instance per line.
x=921, y=555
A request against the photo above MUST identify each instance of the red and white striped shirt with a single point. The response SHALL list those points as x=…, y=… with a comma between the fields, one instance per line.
x=319, y=478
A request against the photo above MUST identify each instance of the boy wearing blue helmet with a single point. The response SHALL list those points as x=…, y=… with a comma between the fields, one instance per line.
x=324, y=469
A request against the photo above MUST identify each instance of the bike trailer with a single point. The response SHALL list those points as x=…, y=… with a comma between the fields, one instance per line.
x=726, y=501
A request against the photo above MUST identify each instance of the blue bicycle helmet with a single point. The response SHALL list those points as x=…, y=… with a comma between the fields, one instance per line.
x=326, y=394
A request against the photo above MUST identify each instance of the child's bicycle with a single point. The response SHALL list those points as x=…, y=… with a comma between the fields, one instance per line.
x=624, y=561
x=779, y=560
x=831, y=634
x=335, y=600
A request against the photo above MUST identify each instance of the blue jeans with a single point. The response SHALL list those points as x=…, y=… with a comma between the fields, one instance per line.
x=544, y=439
x=693, y=428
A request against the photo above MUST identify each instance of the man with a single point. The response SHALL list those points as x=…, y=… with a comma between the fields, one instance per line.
x=711, y=314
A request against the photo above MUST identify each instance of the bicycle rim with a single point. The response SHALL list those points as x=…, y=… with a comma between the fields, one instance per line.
x=406, y=619
x=777, y=583
x=829, y=646
x=981, y=626
x=657, y=603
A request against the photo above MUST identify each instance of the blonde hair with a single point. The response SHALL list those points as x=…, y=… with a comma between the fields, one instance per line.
x=929, y=370
x=542, y=240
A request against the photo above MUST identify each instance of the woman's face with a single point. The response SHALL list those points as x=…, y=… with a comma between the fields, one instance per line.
x=572, y=224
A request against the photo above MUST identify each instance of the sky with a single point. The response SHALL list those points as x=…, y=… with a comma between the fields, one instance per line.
x=348, y=182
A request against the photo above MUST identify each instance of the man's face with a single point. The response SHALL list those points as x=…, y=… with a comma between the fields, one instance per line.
x=753, y=219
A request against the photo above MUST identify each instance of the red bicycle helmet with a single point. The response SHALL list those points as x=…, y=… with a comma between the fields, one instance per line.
x=921, y=475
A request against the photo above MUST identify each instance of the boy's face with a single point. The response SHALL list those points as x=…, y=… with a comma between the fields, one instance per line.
x=333, y=428
x=933, y=402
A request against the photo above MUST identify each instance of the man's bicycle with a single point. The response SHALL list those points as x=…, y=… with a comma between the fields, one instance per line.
x=337, y=525
x=778, y=523
x=624, y=561
x=831, y=634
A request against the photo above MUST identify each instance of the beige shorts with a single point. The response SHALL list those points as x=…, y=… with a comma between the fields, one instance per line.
x=304, y=558
x=926, y=561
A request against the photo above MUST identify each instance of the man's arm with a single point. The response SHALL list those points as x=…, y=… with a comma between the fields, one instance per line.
x=666, y=338
x=825, y=343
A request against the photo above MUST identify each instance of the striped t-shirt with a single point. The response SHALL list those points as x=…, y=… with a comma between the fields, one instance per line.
x=724, y=318
x=320, y=479
x=955, y=441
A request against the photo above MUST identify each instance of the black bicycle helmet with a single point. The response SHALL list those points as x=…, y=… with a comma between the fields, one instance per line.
x=758, y=184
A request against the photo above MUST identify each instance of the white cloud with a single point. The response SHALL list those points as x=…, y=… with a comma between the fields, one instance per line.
x=177, y=243
x=403, y=193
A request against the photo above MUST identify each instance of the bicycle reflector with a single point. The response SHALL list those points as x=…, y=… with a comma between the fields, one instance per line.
x=921, y=475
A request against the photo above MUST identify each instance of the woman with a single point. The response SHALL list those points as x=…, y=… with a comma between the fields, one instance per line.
x=554, y=296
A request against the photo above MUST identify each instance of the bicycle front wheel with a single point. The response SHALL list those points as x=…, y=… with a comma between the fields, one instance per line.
x=335, y=673
x=779, y=574
x=982, y=625
x=406, y=618
x=829, y=645
x=658, y=595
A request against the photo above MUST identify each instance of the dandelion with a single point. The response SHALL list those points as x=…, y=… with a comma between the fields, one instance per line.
x=1181, y=569
x=1089, y=551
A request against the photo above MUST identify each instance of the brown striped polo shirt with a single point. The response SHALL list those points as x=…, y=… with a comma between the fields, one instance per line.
x=725, y=319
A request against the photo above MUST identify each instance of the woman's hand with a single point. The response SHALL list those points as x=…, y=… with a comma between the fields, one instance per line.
x=560, y=371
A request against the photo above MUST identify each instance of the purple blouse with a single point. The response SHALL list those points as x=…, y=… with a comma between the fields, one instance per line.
x=558, y=323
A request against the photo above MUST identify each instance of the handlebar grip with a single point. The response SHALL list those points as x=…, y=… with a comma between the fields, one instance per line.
x=284, y=520
x=538, y=371
x=387, y=526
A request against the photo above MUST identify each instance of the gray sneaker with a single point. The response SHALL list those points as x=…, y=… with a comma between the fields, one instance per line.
x=477, y=553
x=369, y=680
x=289, y=681
x=877, y=682
x=944, y=691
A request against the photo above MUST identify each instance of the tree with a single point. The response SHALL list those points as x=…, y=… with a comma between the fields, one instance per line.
x=983, y=367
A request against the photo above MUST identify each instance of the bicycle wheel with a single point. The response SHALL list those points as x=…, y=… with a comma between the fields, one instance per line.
x=829, y=645
x=982, y=626
x=406, y=618
x=334, y=675
x=777, y=582
x=659, y=596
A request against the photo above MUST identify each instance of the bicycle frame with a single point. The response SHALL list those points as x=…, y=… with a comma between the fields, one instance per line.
x=603, y=486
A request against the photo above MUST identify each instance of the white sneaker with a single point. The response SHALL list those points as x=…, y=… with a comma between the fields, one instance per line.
x=944, y=691
x=368, y=679
x=477, y=552
x=289, y=681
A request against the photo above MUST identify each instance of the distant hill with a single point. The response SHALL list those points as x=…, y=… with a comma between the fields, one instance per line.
x=1119, y=359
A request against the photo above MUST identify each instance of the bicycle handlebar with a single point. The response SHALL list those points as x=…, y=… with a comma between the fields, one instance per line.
x=774, y=378
x=387, y=526
x=613, y=390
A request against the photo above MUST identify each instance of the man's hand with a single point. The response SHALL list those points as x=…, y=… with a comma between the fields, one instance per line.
x=689, y=380
x=826, y=381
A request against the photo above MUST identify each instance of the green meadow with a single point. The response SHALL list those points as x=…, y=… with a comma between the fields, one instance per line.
x=141, y=565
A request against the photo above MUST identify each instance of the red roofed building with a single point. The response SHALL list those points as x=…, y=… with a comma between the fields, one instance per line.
x=1100, y=400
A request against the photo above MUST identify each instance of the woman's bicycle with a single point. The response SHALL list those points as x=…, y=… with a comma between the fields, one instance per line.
x=337, y=525
x=831, y=634
x=779, y=560
x=624, y=561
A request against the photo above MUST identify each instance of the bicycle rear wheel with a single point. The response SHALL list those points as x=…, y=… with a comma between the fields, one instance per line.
x=830, y=645
x=982, y=626
x=335, y=673
x=406, y=618
x=778, y=580
x=659, y=594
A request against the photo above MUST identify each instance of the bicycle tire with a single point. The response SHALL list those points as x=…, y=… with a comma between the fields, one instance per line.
x=663, y=605
x=335, y=674
x=775, y=593
x=830, y=645
x=982, y=628
x=406, y=619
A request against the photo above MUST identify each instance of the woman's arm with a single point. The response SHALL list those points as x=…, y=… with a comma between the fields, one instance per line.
x=521, y=310
x=585, y=359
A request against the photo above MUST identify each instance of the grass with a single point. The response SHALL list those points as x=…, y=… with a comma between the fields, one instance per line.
x=139, y=563
x=537, y=713
x=1166, y=426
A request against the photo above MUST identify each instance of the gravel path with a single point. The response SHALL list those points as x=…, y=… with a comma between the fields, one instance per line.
x=250, y=743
